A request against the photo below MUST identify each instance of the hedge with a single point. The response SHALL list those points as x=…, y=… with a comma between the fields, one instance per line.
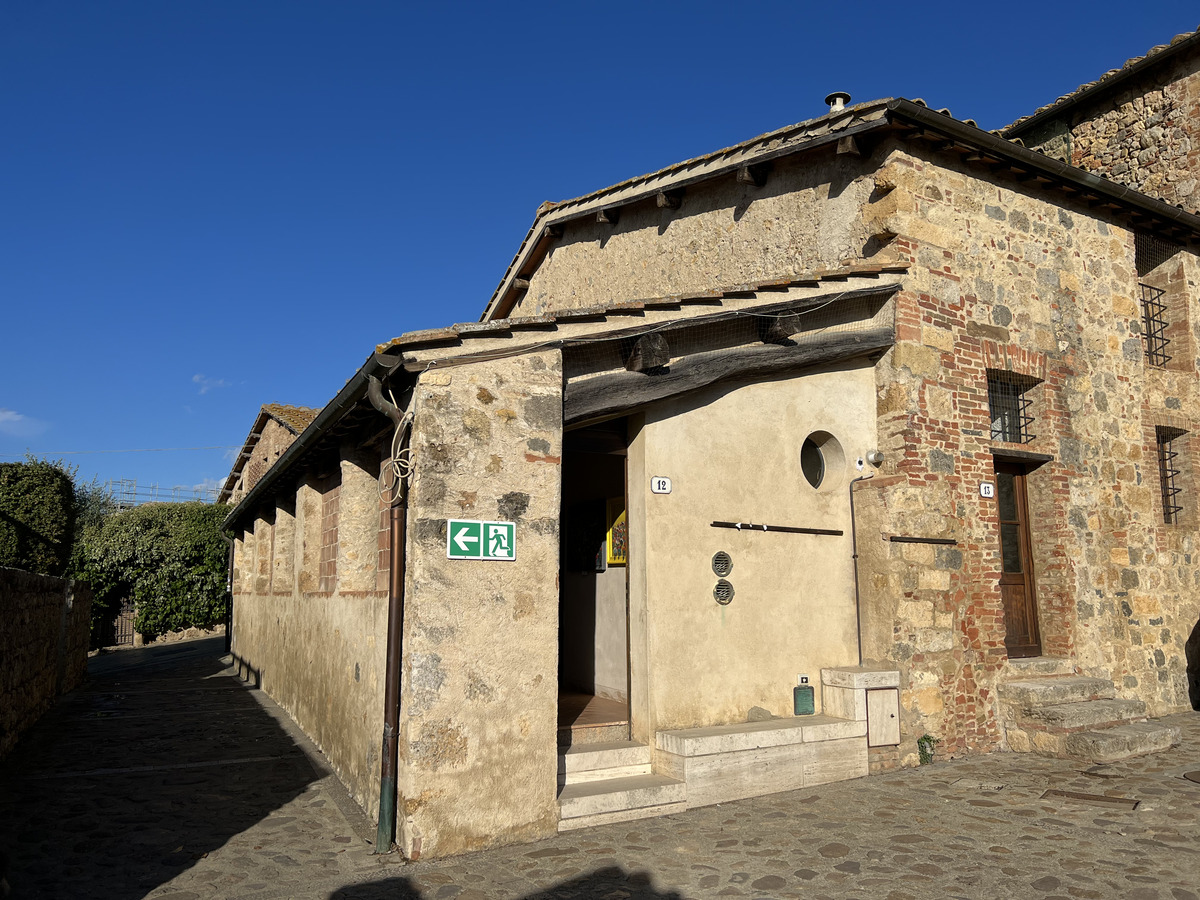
x=169, y=558
x=37, y=516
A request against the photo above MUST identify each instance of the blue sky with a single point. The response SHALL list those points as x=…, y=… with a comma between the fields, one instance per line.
x=207, y=206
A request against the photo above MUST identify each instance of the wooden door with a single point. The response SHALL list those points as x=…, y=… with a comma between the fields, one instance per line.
x=1017, y=589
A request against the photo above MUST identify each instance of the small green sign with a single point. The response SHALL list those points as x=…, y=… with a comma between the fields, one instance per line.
x=473, y=539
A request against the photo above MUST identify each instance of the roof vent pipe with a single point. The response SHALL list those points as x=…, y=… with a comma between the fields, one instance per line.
x=837, y=101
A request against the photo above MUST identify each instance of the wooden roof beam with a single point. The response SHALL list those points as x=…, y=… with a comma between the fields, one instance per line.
x=669, y=199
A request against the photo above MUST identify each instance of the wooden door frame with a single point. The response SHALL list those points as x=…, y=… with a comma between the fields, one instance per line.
x=1019, y=469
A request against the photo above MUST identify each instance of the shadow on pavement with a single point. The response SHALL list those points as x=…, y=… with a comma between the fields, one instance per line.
x=155, y=761
x=612, y=882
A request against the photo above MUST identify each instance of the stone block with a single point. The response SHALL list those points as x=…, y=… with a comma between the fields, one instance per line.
x=1051, y=691
x=861, y=677
x=1121, y=742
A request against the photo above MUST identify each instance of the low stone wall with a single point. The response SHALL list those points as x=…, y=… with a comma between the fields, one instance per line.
x=44, y=624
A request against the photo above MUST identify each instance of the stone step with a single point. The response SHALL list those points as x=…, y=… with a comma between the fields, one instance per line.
x=1086, y=714
x=574, y=736
x=1032, y=693
x=1121, y=742
x=1037, y=666
x=596, y=762
x=620, y=795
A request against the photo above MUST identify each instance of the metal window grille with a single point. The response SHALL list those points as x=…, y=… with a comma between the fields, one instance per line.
x=1151, y=251
x=1154, y=325
x=1008, y=406
x=1168, y=472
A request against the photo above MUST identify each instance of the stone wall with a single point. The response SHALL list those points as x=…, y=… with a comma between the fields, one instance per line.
x=317, y=645
x=1005, y=279
x=723, y=234
x=478, y=761
x=1144, y=134
x=43, y=646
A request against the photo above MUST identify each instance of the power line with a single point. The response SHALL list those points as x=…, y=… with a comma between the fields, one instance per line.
x=135, y=450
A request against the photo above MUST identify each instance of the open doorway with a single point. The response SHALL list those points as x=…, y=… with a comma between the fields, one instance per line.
x=593, y=642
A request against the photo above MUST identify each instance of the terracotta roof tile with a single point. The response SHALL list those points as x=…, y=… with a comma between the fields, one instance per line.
x=294, y=418
x=1135, y=62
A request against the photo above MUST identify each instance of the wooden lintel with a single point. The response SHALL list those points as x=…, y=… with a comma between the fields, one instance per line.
x=605, y=396
x=609, y=216
x=755, y=174
x=650, y=351
x=669, y=199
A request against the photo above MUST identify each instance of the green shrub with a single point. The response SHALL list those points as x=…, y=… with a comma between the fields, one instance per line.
x=169, y=558
x=37, y=516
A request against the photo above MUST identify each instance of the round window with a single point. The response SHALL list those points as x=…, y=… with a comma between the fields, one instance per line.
x=822, y=460
x=812, y=462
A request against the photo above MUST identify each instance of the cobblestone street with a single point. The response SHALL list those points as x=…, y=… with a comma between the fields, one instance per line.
x=165, y=777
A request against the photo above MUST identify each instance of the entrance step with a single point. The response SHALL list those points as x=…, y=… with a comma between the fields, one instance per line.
x=582, y=763
x=1039, y=666
x=1077, y=717
x=619, y=800
x=1088, y=714
x=1122, y=742
x=1032, y=693
x=588, y=735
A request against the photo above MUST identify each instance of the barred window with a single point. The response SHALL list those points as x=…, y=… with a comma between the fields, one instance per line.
x=1168, y=471
x=1150, y=252
x=1008, y=405
x=1154, y=325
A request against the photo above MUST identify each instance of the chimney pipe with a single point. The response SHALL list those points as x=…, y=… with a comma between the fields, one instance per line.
x=837, y=101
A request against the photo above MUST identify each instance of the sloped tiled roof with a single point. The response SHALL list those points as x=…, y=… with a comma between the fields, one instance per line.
x=1132, y=66
x=294, y=418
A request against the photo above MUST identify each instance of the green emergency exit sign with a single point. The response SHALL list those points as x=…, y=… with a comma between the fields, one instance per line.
x=474, y=539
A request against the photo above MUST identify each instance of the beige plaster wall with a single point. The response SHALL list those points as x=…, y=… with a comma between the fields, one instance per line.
x=724, y=233
x=478, y=762
x=321, y=657
x=734, y=455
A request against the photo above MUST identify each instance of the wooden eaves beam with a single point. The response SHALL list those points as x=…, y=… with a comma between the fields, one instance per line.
x=606, y=396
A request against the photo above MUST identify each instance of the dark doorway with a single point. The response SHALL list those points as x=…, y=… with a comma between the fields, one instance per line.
x=593, y=644
x=1017, y=588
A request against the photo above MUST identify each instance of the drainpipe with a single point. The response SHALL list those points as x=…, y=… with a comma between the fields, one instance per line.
x=875, y=458
x=391, y=694
x=397, y=532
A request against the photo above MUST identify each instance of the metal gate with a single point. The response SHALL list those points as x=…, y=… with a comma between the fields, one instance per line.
x=123, y=625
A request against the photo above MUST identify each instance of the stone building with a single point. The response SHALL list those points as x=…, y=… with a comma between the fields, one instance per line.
x=276, y=426
x=881, y=400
